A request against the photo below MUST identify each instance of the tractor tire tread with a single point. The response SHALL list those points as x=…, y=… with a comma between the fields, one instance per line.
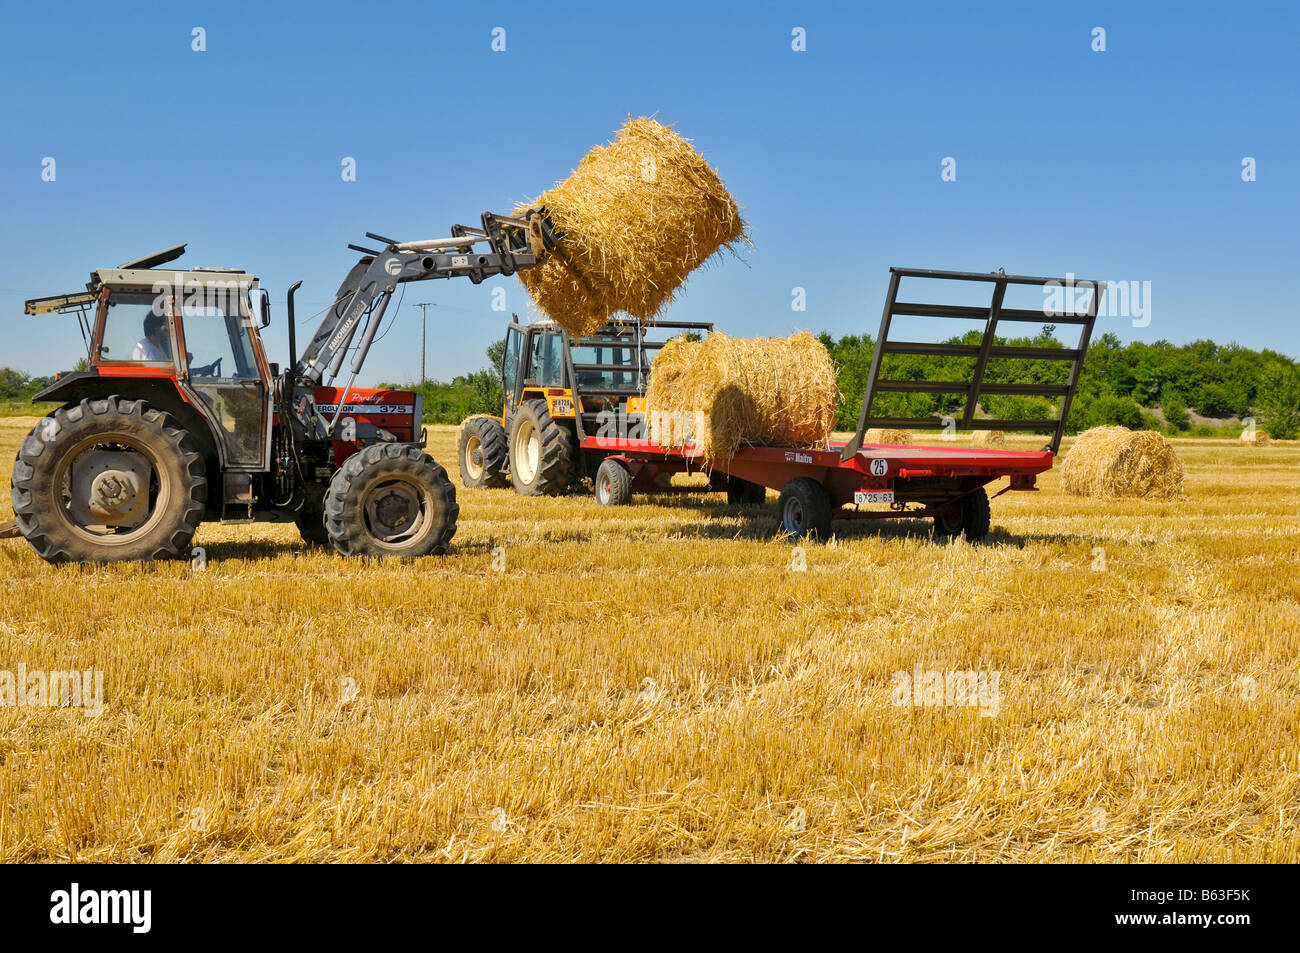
x=33, y=493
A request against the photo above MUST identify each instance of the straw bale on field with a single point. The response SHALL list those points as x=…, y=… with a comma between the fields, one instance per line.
x=1111, y=462
x=889, y=436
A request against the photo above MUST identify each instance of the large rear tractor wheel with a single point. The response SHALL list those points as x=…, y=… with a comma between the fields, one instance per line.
x=483, y=453
x=109, y=480
x=969, y=516
x=542, y=457
x=805, y=509
x=391, y=499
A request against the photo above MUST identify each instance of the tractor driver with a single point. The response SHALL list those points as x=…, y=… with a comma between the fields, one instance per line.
x=155, y=345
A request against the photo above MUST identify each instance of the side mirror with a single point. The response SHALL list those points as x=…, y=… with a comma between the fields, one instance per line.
x=266, y=307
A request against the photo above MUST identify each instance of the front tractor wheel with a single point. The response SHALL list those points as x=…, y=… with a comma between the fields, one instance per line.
x=541, y=451
x=968, y=515
x=109, y=480
x=391, y=499
x=481, y=450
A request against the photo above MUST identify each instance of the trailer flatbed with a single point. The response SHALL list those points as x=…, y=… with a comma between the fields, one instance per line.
x=857, y=480
x=879, y=481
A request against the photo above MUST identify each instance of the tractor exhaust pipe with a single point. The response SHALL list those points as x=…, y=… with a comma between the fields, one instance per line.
x=293, y=325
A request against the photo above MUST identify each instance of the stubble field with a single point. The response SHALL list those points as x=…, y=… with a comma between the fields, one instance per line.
x=671, y=682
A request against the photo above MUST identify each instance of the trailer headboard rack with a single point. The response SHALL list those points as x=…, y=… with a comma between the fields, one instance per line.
x=974, y=387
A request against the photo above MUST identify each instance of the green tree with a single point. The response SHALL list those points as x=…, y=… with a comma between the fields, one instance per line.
x=1278, y=406
x=495, y=352
x=1175, y=410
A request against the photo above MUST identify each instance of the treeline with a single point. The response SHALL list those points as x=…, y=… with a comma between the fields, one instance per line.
x=1159, y=386
x=16, y=386
x=478, y=392
x=1156, y=386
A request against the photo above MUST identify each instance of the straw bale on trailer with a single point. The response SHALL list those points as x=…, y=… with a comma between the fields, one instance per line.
x=1112, y=462
x=637, y=216
x=724, y=391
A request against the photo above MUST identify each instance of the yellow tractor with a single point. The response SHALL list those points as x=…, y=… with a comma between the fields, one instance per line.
x=571, y=403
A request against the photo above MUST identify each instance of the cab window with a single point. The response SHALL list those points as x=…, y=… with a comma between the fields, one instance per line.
x=619, y=369
x=544, y=360
x=218, y=339
x=137, y=327
x=510, y=362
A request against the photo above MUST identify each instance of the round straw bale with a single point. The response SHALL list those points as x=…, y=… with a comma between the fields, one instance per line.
x=1110, y=462
x=637, y=216
x=988, y=438
x=888, y=436
x=723, y=391
x=1255, y=438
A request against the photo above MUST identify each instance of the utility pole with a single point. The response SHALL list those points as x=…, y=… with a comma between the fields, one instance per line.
x=424, y=312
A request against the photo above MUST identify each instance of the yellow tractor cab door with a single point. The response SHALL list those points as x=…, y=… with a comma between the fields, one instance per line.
x=512, y=377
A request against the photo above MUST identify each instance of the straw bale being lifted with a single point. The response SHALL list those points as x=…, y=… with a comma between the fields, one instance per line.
x=637, y=216
x=1110, y=462
x=723, y=392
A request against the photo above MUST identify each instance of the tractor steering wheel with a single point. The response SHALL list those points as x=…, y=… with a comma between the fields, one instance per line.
x=211, y=370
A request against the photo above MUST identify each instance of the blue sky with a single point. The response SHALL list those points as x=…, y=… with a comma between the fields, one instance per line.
x=1118, y=165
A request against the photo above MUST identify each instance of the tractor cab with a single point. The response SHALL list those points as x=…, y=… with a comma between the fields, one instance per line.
x=196, y=326
x=189, y=335
x=582, y=377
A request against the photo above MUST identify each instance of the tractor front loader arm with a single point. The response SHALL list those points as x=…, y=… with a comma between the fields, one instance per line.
x=513, y=242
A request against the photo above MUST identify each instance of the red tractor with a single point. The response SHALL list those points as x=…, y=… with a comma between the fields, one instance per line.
x=179, y=417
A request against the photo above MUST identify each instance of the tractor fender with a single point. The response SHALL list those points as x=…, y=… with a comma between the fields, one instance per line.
x=161, y=391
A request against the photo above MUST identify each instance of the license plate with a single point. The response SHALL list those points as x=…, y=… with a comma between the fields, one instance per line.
x=873, y=496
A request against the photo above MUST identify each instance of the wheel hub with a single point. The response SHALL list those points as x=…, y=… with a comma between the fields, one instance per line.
x=793, y=516
x=395, y=510
x=110, y=488
x=474, y=457
x=527, y=452
x=113, y=489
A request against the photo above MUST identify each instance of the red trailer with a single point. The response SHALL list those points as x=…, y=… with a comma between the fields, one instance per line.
x=878, y=481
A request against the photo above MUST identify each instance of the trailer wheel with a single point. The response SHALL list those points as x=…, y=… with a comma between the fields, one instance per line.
x=391, y=499
x=805, y=509
x=743, y=492
x=482, y=452
x=613, y=483
x=970, y=516
x=107, y=480
x=541, y=451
